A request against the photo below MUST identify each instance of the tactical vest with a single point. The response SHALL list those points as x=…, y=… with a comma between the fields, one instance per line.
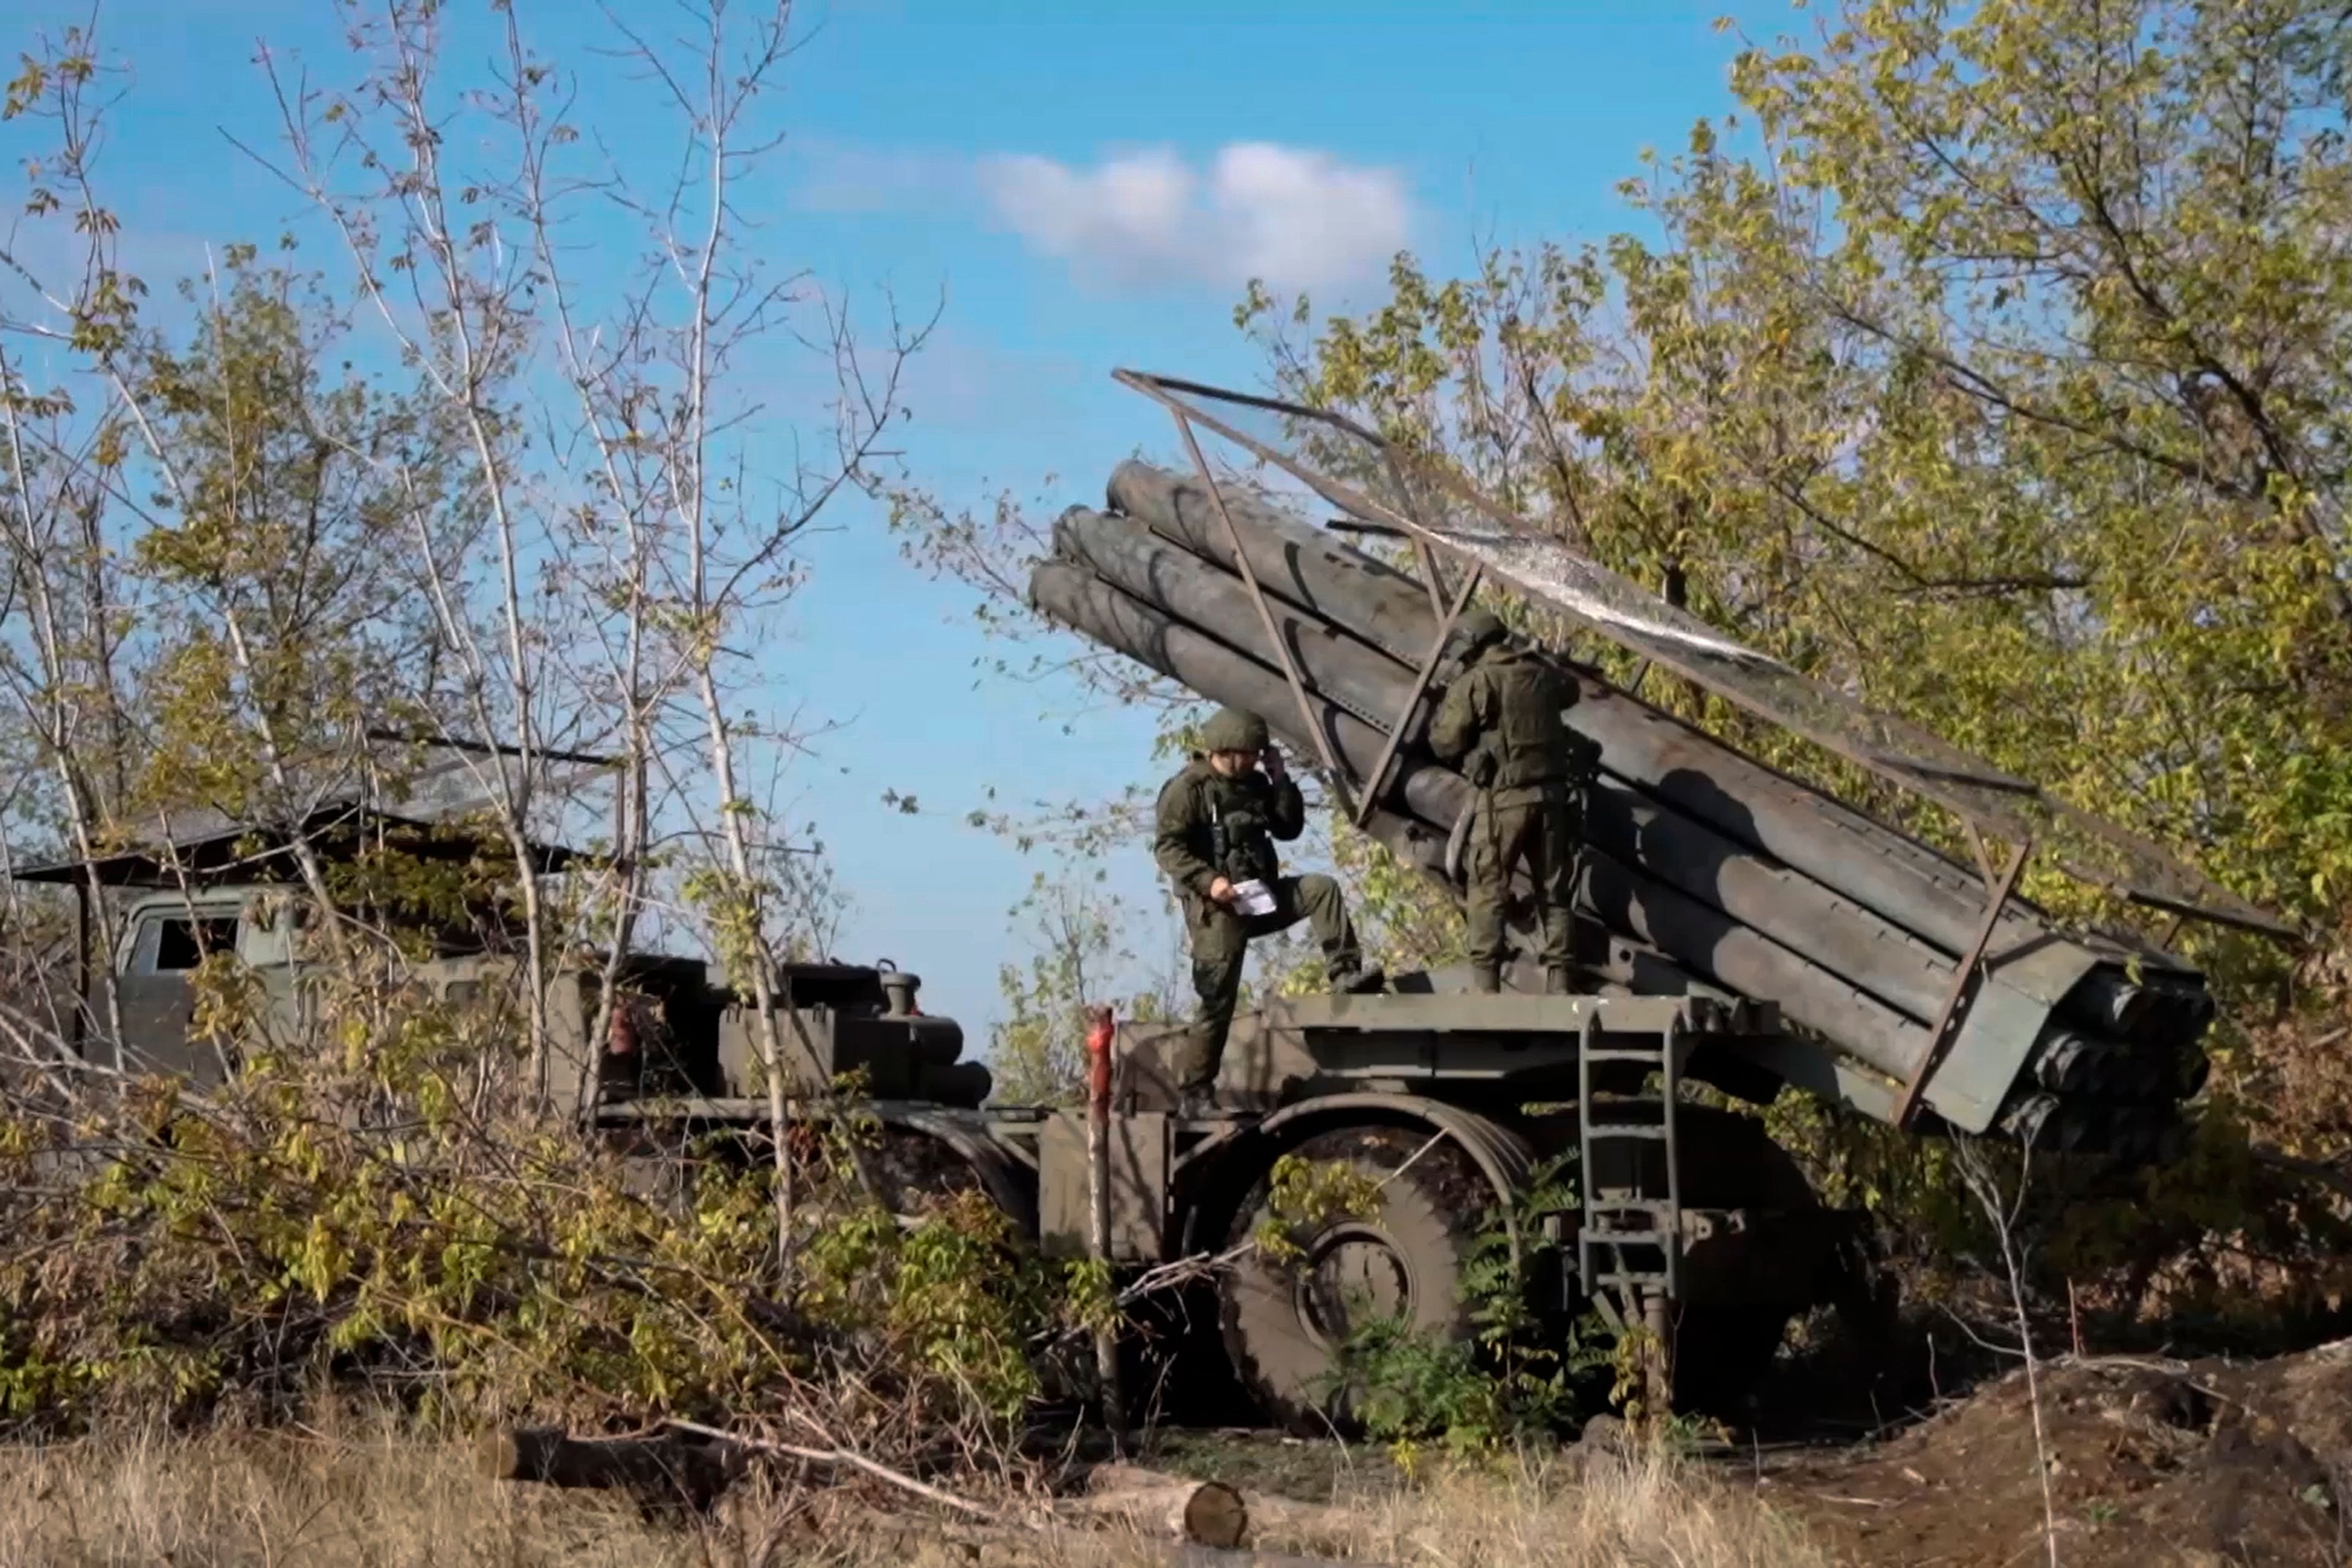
x=1527, y=743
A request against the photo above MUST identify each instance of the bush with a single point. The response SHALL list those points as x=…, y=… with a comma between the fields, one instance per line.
x=385, y=1217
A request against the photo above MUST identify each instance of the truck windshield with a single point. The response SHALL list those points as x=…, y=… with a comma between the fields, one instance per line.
x=183, y=942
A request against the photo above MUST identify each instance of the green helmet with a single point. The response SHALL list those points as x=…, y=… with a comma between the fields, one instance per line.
x=1231, y=730
x=1481, y=626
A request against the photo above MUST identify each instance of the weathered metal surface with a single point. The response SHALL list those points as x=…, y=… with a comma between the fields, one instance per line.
x=967, y=1135
x=1967, y=979
x=1734, y=874
x=1472, y=1014
x=1877, y=957
x=1342, y=670
x=1335, y=777
x=1718, y=947
x=1293, y=560
x=1504, y=1157
x=1411, y=715
x=1705, y=940
x=1883, y=870
x=1077, y=598
x=1141, y=1158
x=2006, y=1023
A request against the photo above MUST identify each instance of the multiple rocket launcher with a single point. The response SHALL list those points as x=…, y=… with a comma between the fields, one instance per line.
x=1708, y=870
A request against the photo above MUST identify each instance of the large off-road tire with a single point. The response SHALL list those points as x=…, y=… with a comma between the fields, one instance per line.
x=1723, y=1348
x=913, y=1167
x=1721, y=1352
x=1282, y=1321
x=911, y=1171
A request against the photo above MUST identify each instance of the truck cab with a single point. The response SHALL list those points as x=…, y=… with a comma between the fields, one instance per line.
x=165, y=938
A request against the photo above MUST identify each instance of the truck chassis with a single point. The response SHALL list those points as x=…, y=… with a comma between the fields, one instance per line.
x=1463, y=1109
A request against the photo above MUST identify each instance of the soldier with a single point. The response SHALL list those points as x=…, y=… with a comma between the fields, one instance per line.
x=1501, y=720
x=1218, y=820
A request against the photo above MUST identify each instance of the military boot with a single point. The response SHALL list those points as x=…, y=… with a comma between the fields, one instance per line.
x=1561, y=983
x=1353, y=980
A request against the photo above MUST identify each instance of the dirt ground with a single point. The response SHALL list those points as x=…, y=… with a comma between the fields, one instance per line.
x=2188, y=1463
x=2153, y=1464
x=2150, y=1462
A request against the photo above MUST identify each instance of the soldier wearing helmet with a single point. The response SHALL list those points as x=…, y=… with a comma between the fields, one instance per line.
x=1217, y=825
x=1500, y=721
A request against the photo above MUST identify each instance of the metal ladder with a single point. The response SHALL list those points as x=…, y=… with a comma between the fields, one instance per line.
x=1625, y=1227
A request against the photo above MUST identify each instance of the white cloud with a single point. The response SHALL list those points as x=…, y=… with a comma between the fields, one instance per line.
x=1296, y=218
x=845, y=177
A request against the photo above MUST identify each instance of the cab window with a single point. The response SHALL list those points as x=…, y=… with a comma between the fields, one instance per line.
x=174, y=945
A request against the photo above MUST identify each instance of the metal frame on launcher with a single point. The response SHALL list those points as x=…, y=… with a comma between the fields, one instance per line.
x=1989, y=802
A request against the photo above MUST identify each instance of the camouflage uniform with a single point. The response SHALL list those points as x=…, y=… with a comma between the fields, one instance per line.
x=1210, y=825
x=1501, y=720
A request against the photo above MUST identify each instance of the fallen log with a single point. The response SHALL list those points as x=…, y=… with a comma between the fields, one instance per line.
x=1289, y=1519
x=1046, y=1542
x=1201, y=1514
x=657, y=1468
x=1184, y=1521
x=848, y=1457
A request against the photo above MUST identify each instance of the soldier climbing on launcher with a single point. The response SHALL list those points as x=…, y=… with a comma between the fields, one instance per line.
x=1218, y=820
x=1500, y=721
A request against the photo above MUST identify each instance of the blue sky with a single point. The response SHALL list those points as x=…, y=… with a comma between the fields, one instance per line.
x=1088, y=186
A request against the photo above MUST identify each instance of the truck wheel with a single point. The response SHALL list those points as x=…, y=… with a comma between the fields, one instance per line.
x=915, y=1164
x=910, y=1169
x=1283, y=1320
x=1721, y=1352
x=1724, y=1347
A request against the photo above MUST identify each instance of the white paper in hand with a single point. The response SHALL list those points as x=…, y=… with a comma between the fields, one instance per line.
x=1252, y=897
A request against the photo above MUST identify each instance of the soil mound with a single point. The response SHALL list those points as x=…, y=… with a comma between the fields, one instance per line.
x=2150, y=1462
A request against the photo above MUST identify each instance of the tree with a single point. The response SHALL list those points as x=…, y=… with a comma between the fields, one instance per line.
x=284, y=631
x=1085, y=950
x=528, y=517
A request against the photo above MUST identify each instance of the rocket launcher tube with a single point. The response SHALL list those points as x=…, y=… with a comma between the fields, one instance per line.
x=1893, y=875
x=1389, y=610
x=1874, y=957
x=1701, y=939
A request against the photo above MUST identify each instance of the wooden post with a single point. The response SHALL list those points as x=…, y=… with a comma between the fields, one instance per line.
x=1098, y=1043
x=1658, y=1391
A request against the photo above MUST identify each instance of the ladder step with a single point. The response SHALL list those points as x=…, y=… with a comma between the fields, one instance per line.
x=1631, y=1240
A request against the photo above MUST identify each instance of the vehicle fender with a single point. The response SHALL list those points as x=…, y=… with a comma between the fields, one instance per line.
x=1502, y=1155
x=1000, y=1174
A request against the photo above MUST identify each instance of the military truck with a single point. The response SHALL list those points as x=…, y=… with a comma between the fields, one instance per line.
x=1744, y=929
x=1426, y=1091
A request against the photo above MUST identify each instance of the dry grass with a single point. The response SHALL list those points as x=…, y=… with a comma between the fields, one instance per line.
x=372, y=1498
x=1637, y=1510
x=357, y=1499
